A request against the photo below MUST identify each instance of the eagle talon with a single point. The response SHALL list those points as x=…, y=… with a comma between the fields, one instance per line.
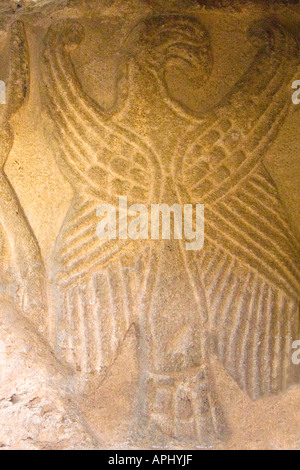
x=179, y=411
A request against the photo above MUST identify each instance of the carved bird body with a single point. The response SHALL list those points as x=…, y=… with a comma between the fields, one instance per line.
x=240, y=294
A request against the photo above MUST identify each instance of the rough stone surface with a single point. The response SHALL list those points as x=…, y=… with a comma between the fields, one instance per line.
x=141, y=343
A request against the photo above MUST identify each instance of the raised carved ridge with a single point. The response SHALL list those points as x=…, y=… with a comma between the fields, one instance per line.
x=26, y=260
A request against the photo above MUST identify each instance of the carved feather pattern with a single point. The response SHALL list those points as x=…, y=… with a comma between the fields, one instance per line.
x=95, y=315
x=252, y=258
x=96, y=291
x=102, y=161
x=218, y=154
x=95, y=154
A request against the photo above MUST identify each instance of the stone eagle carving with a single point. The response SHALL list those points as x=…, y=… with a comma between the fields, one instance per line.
x=239, y=297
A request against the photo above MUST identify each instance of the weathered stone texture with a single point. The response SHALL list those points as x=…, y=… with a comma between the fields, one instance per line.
x=141, y=343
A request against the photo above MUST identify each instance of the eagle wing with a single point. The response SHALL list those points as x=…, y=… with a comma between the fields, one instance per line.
x=250, y=264
x=94, y=285
x=100, y=159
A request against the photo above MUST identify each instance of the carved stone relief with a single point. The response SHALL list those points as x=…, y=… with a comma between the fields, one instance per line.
x=140, y=342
